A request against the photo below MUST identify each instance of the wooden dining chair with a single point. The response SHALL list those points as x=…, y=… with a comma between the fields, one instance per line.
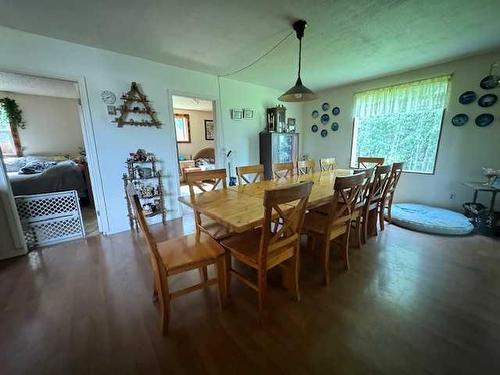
x=276, y=243
x=305, y=167
x=250, y=174
x=388, y=194
x=327, y=164
x=207, y=181
x=357, y=219
x=176, y=256
x=282, y=170
x=337, y=221
x=377, y=187
x=365, y=161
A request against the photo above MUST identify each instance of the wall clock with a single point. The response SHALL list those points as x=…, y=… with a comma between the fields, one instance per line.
x=108, y=97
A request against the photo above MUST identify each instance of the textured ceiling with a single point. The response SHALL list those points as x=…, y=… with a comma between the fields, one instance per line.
x=346, y=40
x=192, y=104
x=26, y=84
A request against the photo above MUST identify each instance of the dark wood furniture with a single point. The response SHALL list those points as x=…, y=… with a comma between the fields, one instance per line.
x=371, y=211
x=366, y=162
x=277, y=148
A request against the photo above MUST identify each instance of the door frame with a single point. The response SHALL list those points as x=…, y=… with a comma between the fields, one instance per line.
x=89, y=140
x=220, y=159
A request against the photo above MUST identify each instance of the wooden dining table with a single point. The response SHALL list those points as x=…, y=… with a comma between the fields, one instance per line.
x=240, y=208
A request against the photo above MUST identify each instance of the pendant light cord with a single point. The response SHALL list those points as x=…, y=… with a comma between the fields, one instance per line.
x=300, y=55
x=261, y=57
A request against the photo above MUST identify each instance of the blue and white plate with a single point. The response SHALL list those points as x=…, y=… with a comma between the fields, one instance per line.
x=487, y=100
x=314, y=128
x=460, y=119
x=489, y=82
x=467, y=97
x=325, y=107
x=335, y=111
x=324, y=133
x=484, y=119
x=315, y=114
x=335, y=126
x=325, y=118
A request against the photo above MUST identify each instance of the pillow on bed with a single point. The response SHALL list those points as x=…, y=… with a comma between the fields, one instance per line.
x=14, y=164
x=36, y=166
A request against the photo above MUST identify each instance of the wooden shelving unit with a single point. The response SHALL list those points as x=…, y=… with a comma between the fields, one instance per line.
x=154, y=199
x=134, y=95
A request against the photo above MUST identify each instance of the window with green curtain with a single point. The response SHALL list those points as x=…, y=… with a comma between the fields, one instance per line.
x=7, y=144
x=401, y=123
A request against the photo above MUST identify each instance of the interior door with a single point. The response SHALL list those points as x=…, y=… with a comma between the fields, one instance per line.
x=12, y=239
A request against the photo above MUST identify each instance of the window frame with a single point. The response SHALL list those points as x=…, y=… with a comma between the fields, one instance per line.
x=186, y=119
x=14, y=134
x=351, y=161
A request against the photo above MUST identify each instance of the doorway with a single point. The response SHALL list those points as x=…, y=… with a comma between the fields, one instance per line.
x=195, y=130
x=44, y=150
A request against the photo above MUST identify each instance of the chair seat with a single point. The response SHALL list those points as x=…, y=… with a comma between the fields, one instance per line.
x=189, y=252
x=314, y=222
x=214, y=229
x=245, y=247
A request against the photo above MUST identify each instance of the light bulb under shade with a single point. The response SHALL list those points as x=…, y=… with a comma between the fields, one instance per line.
x=298, y=93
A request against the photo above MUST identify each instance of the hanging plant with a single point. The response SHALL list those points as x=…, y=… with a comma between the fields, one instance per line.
x=14, y=113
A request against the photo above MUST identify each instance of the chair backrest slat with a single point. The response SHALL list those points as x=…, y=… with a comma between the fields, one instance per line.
x=305, y=167
x=347, y=190
x=256, y=170
x=380, y=179
x=199, y=179
x=327, y=164
x=284, y=210
x=365, y=187
x=282, y=170
x=365, y=161
x=396, y=171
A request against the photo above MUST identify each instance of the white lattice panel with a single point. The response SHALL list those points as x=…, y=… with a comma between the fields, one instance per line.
x=50, y=218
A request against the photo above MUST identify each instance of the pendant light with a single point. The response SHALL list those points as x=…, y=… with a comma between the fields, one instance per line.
x=298, y=93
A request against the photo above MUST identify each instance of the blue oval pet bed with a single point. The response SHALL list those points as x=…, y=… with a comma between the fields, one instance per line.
x=429, y=219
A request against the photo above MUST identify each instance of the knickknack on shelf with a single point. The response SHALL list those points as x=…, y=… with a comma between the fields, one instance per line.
x=143, y=172
x=135, y=102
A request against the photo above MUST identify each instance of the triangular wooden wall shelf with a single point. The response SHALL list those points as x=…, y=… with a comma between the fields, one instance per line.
x=134, y=95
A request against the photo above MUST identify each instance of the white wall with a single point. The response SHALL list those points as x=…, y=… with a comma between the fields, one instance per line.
x=103, y=70
x=197, y=128
x=463, y=151
x=52, y=124
x=242, y=136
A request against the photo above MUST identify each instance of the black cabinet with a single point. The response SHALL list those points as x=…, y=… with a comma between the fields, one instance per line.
x=277, y=148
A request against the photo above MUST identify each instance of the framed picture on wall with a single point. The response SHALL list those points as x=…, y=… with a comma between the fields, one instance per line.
x=248, y=113
x=209, y=130
x=236, y=114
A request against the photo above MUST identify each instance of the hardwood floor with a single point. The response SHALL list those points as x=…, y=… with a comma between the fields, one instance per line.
x=411, y=303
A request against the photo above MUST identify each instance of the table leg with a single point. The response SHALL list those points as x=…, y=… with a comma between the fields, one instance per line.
x=475, y=197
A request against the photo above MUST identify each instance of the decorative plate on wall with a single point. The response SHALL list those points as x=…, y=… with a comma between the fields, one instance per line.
x=487, y=100
x=314, y=128
x=460, y=119
x=315, y=114
x=324, y=133
x=335, y=126
x=335, y=111
x=489, y=82
x=467, y=97
x=484, y=120
x=325, y=118
x=325, y=107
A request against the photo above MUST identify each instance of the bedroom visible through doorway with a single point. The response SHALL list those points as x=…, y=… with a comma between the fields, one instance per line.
x=195, y=134
x=44, y=152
